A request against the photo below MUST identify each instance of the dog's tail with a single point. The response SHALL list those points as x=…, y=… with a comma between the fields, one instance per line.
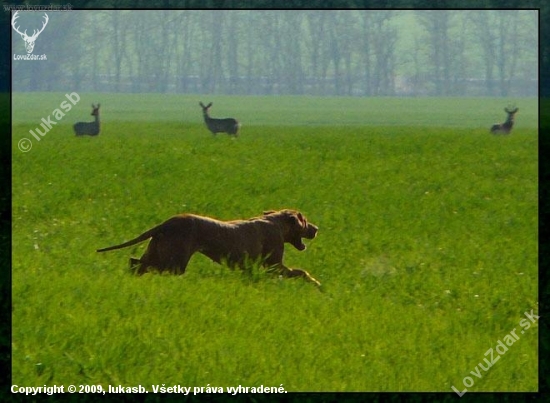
x=143, y=237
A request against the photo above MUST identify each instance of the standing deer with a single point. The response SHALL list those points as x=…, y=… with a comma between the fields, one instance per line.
x=88, y=128
x=506, y=127
x=229, y=125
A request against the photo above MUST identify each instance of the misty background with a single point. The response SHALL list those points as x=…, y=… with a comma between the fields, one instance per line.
x=291, y=52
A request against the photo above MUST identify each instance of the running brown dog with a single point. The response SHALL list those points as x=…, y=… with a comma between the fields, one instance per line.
x=235, y=242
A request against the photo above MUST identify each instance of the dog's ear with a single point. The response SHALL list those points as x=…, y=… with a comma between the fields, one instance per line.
x=301, y=219
x=269, y=212
x=295, y=218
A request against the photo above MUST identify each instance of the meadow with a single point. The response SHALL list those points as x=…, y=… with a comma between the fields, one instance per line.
x=427, y=244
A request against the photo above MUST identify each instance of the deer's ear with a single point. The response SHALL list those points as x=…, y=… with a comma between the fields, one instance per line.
x=209, y=105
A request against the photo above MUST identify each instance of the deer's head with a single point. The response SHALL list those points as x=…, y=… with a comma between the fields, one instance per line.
x=95, y=111
x=205, y=108
x=29, y=40
x=511, y=110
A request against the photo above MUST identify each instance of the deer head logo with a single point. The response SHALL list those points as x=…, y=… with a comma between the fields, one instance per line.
x=29, y=40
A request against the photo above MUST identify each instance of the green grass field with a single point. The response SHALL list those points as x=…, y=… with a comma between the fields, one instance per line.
x=427, y=244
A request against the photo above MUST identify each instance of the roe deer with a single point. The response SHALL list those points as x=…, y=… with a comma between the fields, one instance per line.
x=506, y=127
x=89, y=128
x=229, y=125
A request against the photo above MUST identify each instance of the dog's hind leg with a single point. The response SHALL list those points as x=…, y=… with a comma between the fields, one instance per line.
x=180, y=263
x=150, y=259
x=135, y=265
x=174, y=254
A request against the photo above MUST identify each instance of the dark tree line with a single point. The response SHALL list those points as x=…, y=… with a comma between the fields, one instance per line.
x=330, y=52
x=342, y=52
x=491, y=84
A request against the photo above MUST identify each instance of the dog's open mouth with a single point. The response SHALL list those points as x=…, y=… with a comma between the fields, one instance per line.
x=298, y=244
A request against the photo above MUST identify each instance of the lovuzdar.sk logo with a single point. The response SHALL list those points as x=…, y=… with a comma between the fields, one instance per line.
x=29, y=39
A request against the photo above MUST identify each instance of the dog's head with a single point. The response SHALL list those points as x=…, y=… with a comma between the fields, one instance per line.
x=295, y=226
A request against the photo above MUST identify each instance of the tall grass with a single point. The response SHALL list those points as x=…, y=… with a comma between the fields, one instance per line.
x=427, y=245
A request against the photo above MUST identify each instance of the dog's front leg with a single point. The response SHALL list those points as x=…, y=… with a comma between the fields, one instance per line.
x=288, y=272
